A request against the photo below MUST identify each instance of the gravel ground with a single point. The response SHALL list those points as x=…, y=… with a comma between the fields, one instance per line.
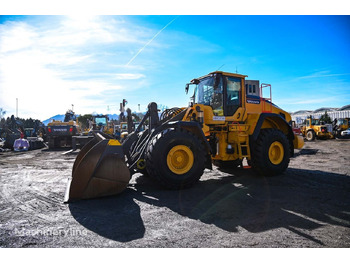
x=307, y=206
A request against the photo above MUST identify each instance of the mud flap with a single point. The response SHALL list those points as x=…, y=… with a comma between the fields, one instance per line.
x=99, y=170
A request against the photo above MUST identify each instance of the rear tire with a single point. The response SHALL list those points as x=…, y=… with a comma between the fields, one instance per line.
x=51, y=143
x=175, y=158
x=271, y=153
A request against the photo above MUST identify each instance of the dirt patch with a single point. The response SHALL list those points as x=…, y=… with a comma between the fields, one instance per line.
x=308, y=206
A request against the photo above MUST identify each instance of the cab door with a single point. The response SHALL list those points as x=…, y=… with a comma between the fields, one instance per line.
x=232, y=94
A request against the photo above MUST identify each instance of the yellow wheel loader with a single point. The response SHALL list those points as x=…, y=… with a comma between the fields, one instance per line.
x=340, y=125
x=313, y=129
x=227, y=121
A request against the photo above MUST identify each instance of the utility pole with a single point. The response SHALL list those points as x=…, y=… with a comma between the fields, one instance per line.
x=17, y=107
x=139, y=107
x=72, y=107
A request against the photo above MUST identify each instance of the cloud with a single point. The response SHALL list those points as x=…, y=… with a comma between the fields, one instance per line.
x=321, y=74
x=308, y=101
x=129, y=76
x=299, y=103
x=51, y=62
x=51, y=66
x=16, y=36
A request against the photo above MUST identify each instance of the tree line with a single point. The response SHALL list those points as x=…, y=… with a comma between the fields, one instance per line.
x=13, y=122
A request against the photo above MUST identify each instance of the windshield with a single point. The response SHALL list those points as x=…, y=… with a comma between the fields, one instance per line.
x=315, y=122
x=342, y=121
x=204, y=91
x=209, y=94
x=100, y=121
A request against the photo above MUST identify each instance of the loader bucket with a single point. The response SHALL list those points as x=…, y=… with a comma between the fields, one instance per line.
x=99, y=170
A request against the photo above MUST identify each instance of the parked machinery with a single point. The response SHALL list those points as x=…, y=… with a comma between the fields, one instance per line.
x=340, y=125
x=101, y=123
x=59, y=134
x=98, y=123
x=15, y=136
x=296, y=129
x=224, y=123
x=122, y=130
x=313, y=128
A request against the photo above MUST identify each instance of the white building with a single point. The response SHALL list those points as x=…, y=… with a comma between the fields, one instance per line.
x=334, y=113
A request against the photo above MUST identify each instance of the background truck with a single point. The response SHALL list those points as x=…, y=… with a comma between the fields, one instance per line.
x=59, y=134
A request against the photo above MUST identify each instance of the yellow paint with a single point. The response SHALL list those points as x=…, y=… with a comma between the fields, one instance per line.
x=298, y=142
x=234, y=131
x=276, y=153
x=113, y=142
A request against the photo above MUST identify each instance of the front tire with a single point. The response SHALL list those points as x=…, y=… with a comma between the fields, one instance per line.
x=271, y=153
x=310, y=135
x=175, y=158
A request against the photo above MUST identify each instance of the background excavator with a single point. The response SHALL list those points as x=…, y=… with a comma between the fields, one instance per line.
x=226, y=122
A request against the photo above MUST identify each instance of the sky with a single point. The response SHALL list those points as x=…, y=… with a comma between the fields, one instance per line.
x=51, y=62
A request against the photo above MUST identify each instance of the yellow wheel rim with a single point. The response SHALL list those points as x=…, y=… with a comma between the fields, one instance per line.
x=141, y=164
x=180, y=159
x=276, y=153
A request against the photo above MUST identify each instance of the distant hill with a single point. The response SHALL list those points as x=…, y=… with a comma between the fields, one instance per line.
x=113, y=117
x=61, y=118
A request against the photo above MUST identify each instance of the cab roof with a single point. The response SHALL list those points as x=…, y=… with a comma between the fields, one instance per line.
x=224, y=73
x=229, y=74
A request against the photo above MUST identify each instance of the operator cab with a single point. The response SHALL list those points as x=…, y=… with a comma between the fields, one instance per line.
x=101, y=121
x=222, y=91
x=69, y=116
x=343, y=121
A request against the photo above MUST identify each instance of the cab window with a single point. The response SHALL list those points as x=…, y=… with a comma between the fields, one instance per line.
x=315, y=122
x=210, y=94
x=101, y=121
x=233, y=91
x=217, y=99
x=204, y=91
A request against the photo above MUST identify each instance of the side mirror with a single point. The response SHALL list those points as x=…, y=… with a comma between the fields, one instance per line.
x=186, y=88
